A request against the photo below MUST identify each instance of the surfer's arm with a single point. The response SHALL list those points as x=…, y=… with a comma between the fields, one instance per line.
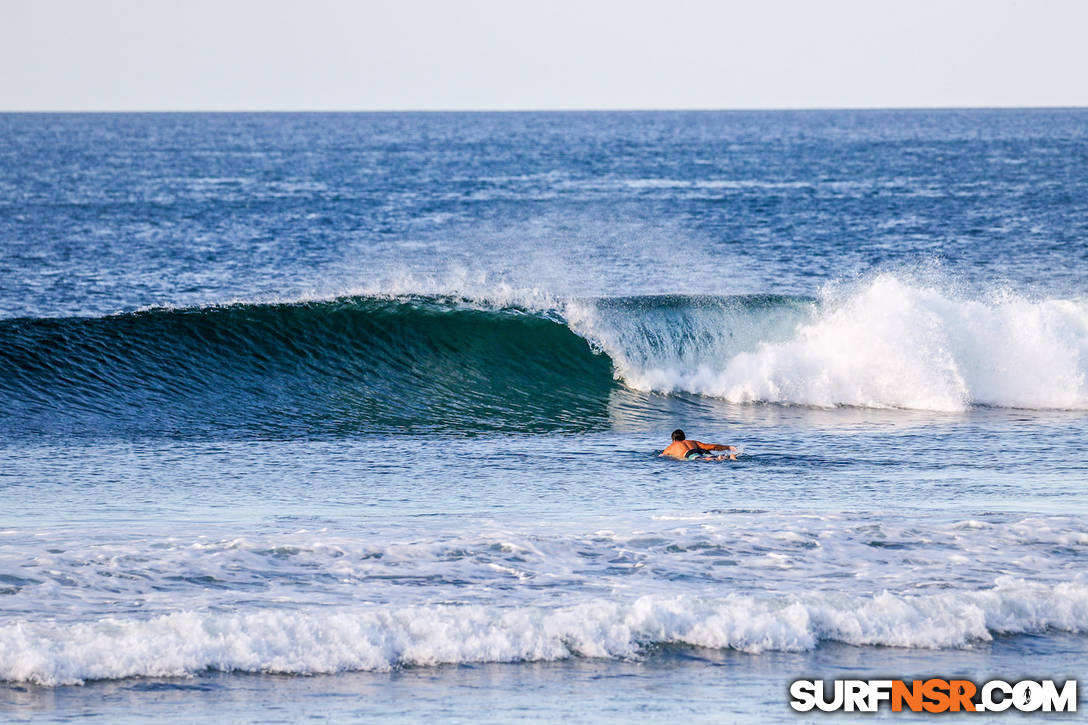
x=714, y=446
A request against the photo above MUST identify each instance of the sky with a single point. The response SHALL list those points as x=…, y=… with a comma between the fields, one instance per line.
x=161, y=55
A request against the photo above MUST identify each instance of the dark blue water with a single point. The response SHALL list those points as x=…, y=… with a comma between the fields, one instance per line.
x=114, y=212
x=345, y=394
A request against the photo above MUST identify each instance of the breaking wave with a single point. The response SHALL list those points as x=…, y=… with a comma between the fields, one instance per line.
x=376, y=639
x=429, y=363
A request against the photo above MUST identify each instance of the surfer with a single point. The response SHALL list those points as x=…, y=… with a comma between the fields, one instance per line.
x=686, y=450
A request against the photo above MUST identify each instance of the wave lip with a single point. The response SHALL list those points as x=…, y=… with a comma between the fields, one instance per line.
x=379, y=639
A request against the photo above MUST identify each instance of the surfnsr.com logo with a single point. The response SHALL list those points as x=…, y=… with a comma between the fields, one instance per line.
x=934, y=695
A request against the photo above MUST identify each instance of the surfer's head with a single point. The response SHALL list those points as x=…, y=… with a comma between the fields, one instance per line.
x=678, y=435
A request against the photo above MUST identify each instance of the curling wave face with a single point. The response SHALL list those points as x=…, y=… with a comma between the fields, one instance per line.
x=427, y=363
x=347, y=365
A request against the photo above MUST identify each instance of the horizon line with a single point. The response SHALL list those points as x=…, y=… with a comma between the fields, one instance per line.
x=549, y=110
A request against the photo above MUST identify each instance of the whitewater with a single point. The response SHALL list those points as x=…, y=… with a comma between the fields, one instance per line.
x=358, y=415
x=886, y=343
x=599, y=594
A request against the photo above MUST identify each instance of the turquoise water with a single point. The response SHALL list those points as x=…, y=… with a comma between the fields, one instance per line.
x=357, y=415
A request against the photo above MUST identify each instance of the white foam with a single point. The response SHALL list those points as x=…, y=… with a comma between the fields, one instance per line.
x=888, y=343
x=382, y=638
x=81, y=577
x=173, y=602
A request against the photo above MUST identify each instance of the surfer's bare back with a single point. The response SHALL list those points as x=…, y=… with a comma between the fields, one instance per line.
x=687, y=450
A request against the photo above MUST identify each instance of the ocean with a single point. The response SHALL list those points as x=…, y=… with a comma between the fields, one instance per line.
x=355, y=417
